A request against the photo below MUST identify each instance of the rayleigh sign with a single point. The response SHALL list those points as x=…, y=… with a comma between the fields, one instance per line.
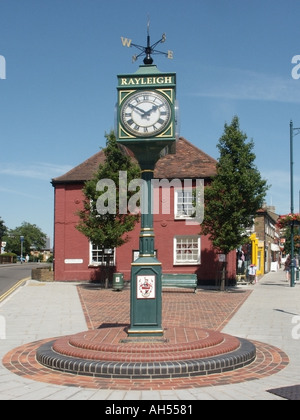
x=2, y=67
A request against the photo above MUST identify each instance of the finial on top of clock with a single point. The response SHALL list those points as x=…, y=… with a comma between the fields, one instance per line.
x=149, y=49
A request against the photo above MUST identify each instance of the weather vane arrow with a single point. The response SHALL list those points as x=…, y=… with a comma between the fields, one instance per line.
x=149, y=49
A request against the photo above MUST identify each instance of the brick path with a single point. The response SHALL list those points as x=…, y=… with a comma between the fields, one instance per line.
x=207, y=309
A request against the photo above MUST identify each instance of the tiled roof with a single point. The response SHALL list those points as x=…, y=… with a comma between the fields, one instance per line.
x=187, y=162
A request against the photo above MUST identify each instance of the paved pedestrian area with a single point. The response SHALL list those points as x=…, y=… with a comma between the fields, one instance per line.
x=267, y=313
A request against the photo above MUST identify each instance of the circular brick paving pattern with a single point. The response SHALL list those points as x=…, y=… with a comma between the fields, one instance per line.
x=105, y=308
x=22, y=361
x=108, y=352
x=180, y=343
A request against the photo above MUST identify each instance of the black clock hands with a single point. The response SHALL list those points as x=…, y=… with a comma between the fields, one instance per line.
x=145, y=113
x=137, y=108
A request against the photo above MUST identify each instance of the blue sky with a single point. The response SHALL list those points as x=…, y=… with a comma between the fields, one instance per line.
x=231, y=57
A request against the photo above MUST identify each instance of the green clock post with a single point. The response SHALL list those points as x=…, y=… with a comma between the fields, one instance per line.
x=146, y=124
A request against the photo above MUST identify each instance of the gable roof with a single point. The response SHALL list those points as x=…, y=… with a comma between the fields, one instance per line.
x=187, y=162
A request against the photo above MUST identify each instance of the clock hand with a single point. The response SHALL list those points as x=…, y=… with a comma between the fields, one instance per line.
x=147, y=113
x=137, y=108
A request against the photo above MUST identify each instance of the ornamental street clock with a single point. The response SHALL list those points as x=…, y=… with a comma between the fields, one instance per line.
x=146, y=109
x=146, y=124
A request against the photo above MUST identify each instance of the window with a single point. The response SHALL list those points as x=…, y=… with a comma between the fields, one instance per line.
x=184, y=207
x=187, y=250
x=101, y=256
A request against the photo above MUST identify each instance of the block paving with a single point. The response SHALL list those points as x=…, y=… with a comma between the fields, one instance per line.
x=105, y=308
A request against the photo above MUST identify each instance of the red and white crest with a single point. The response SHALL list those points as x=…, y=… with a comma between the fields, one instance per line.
x=145, y=287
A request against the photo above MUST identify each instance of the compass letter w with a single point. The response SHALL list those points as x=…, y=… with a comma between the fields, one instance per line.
x=126, y=42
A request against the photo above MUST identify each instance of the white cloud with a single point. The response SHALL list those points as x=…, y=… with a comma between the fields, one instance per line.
x=19, y=193
x=40, y=171
x=239, y=84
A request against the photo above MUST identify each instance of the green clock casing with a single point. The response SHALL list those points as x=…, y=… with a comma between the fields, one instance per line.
x=146, y=107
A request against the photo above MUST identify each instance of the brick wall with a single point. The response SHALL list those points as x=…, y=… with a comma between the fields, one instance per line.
x=42, y=274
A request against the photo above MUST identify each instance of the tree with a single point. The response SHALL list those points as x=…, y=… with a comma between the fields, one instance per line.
x=235, y=193
x=34, y=239
x=107, y=229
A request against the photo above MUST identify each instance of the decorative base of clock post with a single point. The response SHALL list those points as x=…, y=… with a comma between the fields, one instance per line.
x=185, y=352
x=146, y=301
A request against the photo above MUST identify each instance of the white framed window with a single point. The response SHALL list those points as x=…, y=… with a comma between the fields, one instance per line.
x=184, y=208
x=187, y=249
x=101, y=256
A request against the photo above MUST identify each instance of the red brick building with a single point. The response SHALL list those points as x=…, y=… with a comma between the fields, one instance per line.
x=179, y=246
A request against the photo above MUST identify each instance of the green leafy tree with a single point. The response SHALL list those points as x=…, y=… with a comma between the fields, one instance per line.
x=108, y=230
x=34, y=239
x=235, y=194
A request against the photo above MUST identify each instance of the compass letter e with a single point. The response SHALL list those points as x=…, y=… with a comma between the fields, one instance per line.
x=126, y=42
x=170, y=55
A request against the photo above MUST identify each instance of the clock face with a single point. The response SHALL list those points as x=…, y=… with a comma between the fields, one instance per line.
x=145, y=114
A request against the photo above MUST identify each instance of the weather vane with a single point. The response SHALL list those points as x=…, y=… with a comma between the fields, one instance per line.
x=149, y=49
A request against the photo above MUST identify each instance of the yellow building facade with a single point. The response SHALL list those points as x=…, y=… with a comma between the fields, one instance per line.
x=258, y=254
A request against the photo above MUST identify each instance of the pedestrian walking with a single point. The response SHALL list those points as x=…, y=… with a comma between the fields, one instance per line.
x=287, y=267
x=252, y=273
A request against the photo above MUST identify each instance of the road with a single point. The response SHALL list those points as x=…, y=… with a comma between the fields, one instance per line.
x=11, y=274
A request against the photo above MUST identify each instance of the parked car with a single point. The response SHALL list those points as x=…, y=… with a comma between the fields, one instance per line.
x=21, y=259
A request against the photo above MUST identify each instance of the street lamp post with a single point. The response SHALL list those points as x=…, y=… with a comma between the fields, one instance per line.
x=22, y=240
x=292, y=129
x=298, y=251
